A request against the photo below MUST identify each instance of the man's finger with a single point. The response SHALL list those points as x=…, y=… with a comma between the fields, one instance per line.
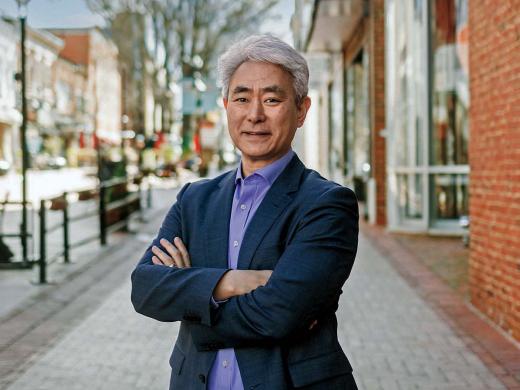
x=184, y=252
x=174, y=252
x=166, y=260
x=156, y=260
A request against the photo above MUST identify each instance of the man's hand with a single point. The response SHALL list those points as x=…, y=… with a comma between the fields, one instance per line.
x=240, y=282
x=177, y=255
x=233, y=283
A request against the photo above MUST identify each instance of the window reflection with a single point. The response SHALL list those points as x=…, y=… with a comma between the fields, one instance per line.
x=451, y=196
x=410, y=196
x=450, y=95
x=358, y=119
x=410, y=84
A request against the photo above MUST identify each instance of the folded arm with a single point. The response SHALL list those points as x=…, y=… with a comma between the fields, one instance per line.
x=170, y=293
x=165, y=286
x=305, y=283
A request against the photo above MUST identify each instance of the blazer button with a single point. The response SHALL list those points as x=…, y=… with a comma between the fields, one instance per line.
x=202, y=378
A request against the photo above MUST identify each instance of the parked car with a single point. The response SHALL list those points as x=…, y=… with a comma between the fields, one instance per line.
x=45, y=161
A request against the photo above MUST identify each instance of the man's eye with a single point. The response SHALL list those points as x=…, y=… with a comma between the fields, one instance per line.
x=240, y=100
x=272, y=100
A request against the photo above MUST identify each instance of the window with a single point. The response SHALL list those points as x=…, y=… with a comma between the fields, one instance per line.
x=450, y=92
x=410, y=193
x=450, y=199
x=427, y=113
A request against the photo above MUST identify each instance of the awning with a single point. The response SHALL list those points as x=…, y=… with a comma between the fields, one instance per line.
x=334, y=22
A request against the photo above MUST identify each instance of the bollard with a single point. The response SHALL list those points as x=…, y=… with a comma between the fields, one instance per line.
x=66, y=244
x=43, y=249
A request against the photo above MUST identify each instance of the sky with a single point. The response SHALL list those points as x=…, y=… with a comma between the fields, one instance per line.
x=74, y=13
x=54, y=13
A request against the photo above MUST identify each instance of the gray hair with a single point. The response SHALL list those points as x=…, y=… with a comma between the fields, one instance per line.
x=264, y=48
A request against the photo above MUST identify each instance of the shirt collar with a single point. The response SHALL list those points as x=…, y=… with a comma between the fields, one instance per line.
x=270, y=172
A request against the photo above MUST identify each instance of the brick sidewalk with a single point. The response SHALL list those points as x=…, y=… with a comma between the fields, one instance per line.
x=43, y=314
x=498, y=351
x=393, y=337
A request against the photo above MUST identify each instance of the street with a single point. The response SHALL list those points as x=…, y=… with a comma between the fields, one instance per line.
x=46, y=184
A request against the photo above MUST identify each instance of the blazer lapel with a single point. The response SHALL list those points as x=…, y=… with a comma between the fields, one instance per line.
x=277, y=198
x=217, y=224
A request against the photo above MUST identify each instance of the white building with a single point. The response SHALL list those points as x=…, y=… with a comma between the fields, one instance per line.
x=10, y=117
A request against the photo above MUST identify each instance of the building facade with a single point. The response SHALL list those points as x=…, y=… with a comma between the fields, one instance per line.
x=42, y=49
x=408, y=116
x=10, y=117
x=71, y=117
x=351, y=71
x=96, y=53
x=494, y=156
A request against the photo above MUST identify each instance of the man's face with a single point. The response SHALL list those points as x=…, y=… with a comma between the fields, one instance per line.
x=262, y=113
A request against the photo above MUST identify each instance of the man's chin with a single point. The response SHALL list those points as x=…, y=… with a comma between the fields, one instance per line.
x=258, y=156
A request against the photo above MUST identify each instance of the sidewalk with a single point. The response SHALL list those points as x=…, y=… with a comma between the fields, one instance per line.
x=35, y=317
x=84, y=334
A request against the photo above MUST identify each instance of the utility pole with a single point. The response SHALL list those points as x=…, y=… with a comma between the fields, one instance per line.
x=22, y=9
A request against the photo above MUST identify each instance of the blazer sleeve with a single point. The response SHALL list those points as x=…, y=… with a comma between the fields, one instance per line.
x=173, y=294
x=306, y=280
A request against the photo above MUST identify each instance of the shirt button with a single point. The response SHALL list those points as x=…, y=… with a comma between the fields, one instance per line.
x=242, y=206
x=235, y=243
x=225, y=363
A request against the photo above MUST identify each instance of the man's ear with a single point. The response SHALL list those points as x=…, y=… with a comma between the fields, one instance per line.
x=225, y=102
x=303, y=109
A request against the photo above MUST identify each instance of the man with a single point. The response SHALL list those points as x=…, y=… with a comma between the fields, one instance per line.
x=252, y=262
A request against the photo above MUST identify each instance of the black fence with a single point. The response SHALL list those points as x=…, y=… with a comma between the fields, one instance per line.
x=6, y=255
x=117, y=199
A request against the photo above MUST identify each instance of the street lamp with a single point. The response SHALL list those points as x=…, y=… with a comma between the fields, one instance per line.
x=22, y=13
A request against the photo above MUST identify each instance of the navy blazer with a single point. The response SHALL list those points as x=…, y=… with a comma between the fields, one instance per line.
x=306, y=230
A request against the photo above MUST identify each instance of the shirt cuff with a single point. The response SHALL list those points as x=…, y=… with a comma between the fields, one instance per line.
x=216, y=304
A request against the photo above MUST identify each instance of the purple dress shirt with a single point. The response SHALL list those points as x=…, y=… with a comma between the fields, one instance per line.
x=249, y=193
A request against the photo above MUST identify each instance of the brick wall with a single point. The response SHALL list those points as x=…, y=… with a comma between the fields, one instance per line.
x=494, y=50
x=76, y=47
x=377, y=104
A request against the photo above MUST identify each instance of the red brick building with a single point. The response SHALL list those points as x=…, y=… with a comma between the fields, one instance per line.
x=494, y=59
x=91, y=49
x=418, y=110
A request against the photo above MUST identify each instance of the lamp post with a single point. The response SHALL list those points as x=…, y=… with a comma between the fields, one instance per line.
x=22, y=12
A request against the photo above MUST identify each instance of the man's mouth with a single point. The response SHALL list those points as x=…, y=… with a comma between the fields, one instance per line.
x=256, y=133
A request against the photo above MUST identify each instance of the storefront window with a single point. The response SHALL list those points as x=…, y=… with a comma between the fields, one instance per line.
x=361, y=117
x=410, y=196
x=411, y=84
x=451, y=196
x=336, y=126
x=427, y=113
x=349, y=104
x=450, y=74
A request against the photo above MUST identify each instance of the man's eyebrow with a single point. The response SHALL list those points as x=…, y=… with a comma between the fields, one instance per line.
x=240, y=89
x=275, y=89
x=269, y=89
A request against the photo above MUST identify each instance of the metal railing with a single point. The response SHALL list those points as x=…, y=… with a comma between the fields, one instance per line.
x=116, y=204
x=27, y=260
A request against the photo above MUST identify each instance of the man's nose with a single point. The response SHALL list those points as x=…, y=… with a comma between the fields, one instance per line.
x=256, y=112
